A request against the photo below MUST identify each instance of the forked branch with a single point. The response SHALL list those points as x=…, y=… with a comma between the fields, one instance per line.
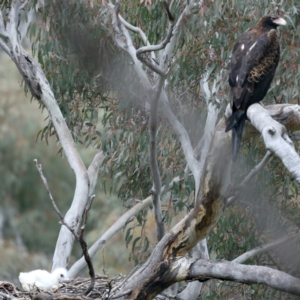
x=79, y=237
x=154, y=122
x=143, y=50
x=39, y=86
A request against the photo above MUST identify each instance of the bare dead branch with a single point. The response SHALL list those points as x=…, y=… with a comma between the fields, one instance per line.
x=242, y=258
x=110, y=232
x=79, y=237
x=40, y=169
x=6, y=296
x=254, y=172
x=85, y=249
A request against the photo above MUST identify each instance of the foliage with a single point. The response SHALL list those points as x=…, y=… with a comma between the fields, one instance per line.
x=94, y=81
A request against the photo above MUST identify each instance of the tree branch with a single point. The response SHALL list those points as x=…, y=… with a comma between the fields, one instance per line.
x=242, y=258
x=35, y=79
x=93, y=171
x=24, y=4
x=167, y=272
x=224, y=270
x=165, y=55
x=128, y=46
x=160, y=71
x=276, y=138
x=177, y=127
x=79, y=237
x=182, y=135
x=213, y=110
x=118, y=225
x=138, y=31
x=193, y=289
x=153, y=124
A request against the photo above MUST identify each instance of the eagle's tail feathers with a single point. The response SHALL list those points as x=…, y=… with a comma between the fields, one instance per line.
x=236, y=122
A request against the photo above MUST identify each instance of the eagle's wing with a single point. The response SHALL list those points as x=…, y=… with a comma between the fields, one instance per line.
x=247, y=54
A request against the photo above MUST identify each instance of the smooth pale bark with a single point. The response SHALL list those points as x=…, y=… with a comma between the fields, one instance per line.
x=118, y=225
x=164, y=265
x=198, y=223
x=225, y=270
x=36, y=81
x=275, y=135
x=178, y=269
x=153, y=123
x=193, y=289
x=156, y=178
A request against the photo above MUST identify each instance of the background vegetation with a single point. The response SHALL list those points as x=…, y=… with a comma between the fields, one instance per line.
x=97, y=90
x=28, y=224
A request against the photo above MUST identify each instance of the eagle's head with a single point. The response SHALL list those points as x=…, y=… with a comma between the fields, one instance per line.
x=271, y=22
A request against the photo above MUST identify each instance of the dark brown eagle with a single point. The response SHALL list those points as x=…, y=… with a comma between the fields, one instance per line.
x=254, y=60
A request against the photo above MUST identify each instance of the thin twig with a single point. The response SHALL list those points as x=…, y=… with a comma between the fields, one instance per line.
x=40, y=169
x=118, y=225
x=79, y=237
x=252, y=174
x=294, y=137
x=6, y=296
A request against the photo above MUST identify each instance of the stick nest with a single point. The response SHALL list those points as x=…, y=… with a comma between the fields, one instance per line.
x=71, y=289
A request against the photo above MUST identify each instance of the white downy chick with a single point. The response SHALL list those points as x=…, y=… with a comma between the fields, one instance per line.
x=43, y=279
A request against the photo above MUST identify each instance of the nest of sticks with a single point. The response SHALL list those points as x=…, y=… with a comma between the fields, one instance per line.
x=71, y=289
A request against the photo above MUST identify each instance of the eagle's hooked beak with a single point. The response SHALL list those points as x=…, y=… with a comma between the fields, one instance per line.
x=279, y=21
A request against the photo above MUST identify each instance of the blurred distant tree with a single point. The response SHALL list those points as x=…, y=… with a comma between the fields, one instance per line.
x=159, y=86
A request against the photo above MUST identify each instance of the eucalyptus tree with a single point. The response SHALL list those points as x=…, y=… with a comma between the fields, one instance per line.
x=155, y=76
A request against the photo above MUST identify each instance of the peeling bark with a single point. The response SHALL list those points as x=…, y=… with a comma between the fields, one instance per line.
x=198, y=223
